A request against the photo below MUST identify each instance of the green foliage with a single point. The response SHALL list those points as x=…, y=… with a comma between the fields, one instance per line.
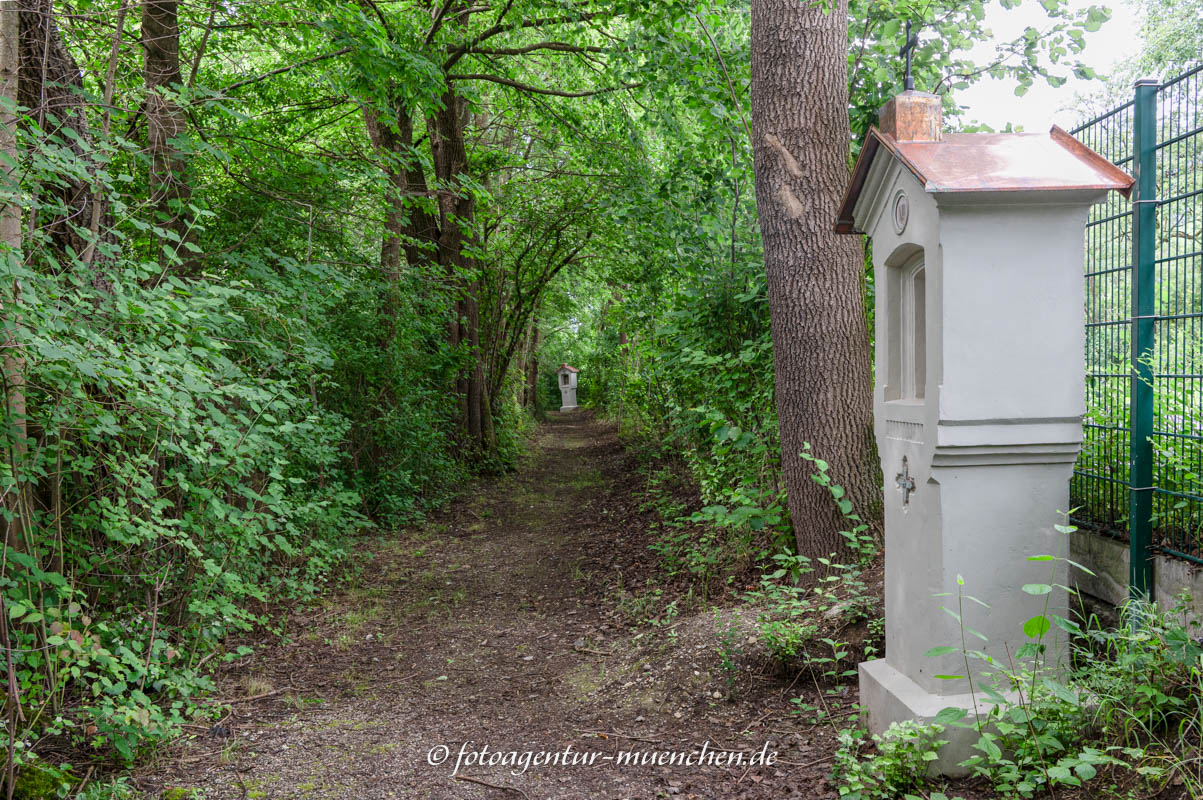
x=687, y=545
x=177, y=793
x=404, y=449
x=793, y=614
x=903, y=754
x=800, y=596
x=40, y=781
x=948, y=32
x=860, y=539
x=204, y=418
x=1127, y=704
x=729, y=649
x=186, y=471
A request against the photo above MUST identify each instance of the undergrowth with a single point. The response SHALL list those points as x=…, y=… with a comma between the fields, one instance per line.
x=1121, y=720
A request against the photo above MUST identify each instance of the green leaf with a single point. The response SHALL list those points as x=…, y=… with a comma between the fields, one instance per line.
x=992, y=694
x=1067, y=625
x=1062, y=774
x=1079, y=566
x=1037, y=588
x=1095, y=17
x=1036, y=627
x=949, y=715
x=1061, y=692
x=942, y=650
x=991, y=749
x=975, y=632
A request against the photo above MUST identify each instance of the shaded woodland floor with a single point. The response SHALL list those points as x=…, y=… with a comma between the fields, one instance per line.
x=505, y=622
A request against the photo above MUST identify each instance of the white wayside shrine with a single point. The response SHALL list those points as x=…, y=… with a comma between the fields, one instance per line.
x=566, y=377
x=978, y=247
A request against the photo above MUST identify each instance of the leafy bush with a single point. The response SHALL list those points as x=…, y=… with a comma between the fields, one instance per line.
x=797, y=605
x=795, y=599
x=903, y=754
x=186, y=448
x=1128, y=704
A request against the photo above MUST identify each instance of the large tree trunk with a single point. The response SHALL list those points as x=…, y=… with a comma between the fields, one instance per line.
x=820, y=341
x=16, y=497
x=165, y=122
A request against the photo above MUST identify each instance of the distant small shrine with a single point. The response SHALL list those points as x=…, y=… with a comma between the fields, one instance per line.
x=567, y=380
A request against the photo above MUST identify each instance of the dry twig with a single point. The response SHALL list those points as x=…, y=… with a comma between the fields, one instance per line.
x=622, y=736
x=492, y=785
x=272, y=693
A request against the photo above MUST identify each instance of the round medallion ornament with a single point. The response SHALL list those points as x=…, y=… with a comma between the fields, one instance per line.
x=902, y=212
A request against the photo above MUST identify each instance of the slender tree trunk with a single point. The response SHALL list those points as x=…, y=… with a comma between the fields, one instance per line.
x=530, y=365
x=98, y=210
x=16, y=497
x=476, y=382
x=456, y=215
x=488, y=434
x=49, y=86
x=408, y=228
x=820, y=343
x=165, y=122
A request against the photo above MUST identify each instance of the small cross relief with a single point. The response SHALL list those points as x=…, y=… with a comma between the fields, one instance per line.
x=905, y=482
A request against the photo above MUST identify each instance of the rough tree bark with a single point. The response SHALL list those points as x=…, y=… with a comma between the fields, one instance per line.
x=16, y=497
x=165, y=122
x=408, y=228
x=820, y=343
x=457, y=211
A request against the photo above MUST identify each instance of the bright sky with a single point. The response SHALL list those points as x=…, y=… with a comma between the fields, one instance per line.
x=994, y=102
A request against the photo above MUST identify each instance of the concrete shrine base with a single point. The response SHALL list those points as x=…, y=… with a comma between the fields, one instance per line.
x=567, y=408
x=888, y=696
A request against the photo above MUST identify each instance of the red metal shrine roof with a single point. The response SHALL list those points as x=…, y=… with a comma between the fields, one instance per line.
x=989, y=162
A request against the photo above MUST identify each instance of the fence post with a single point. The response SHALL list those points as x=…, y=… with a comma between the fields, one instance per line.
x=1144, y=309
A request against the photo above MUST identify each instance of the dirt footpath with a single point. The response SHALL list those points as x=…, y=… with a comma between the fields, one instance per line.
x=511, y=621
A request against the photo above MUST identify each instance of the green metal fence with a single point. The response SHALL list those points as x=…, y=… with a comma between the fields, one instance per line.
x=1140, y=475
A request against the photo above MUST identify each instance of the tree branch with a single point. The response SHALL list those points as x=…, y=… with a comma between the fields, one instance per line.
x=489, y=33
x=282, y=70
x=524, y=87
x=437, y=22
x=561, y=47
x=383, y=20
x=723, y=65
x=204, y=42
